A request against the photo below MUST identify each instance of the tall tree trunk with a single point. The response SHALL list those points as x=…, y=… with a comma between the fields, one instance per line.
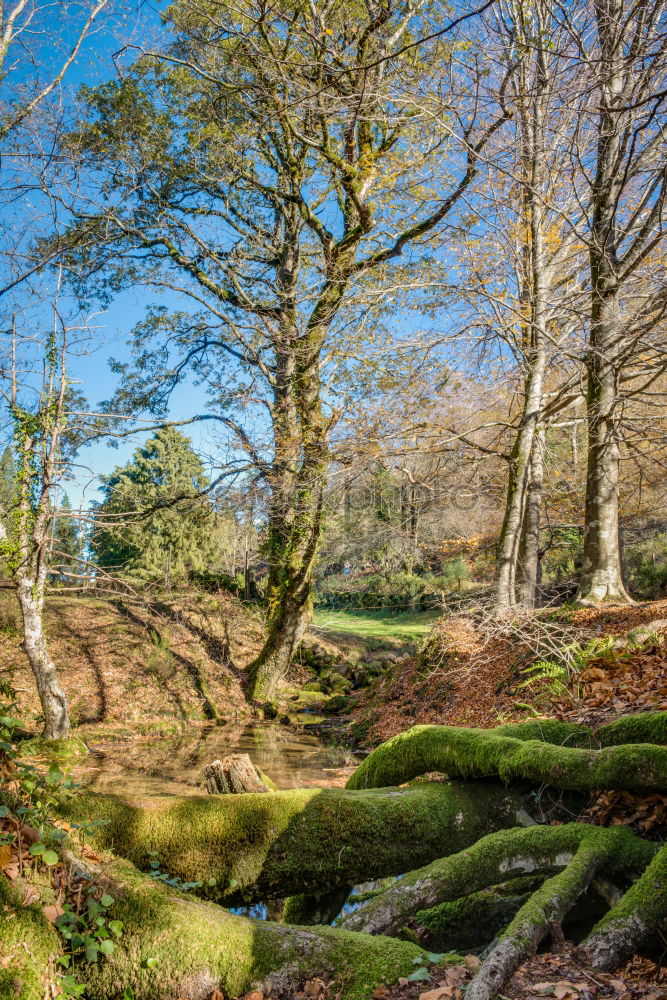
x=602, y=575
x=532, y=295
x=529, y=560
x=295, y=517
x=602, y=570
x=51, y=695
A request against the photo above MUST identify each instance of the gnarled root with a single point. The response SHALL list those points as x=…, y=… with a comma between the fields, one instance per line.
x=631, y=920
x=482, y=753
x=307, y=840
x=546, y=908
x=489, y=861
x=582, y=851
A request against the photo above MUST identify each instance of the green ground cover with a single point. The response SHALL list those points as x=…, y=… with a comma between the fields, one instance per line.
x=407, y=626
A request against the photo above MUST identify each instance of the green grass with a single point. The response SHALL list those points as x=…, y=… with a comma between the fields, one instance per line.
x=406, y=626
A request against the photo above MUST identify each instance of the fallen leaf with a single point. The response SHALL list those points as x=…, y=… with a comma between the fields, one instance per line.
x=5, y=855
x=52, y=912
x=315, y=987
x=472, y=962
x=11, y=871
x=444, y=991
x=456, y=974
x=217, y=995
x=565, y=991
x=379, y=992
x=254, y=995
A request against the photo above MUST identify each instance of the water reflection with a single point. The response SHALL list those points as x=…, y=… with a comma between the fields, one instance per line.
x=174, y=765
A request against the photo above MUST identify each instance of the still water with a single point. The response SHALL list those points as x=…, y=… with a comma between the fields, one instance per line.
x=174, y=765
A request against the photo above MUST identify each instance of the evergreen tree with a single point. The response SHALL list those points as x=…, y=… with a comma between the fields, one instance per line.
x=153, y=522
x=66, y=544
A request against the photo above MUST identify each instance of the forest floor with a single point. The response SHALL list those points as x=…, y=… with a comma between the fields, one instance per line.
x=469, y=674
x=133, y=666
x=130, y=667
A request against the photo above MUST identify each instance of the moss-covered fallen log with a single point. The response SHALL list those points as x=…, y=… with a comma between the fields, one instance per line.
x=495, y=857
x=308, y=840
x=174, y=945
x=481, y=753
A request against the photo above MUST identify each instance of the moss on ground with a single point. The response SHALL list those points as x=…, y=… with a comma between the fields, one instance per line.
x=27, y=944
x=61, y=751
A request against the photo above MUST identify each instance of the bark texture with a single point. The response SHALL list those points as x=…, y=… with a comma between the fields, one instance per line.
x=51, y=694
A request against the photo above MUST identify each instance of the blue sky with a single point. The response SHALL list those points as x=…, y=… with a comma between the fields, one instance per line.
x=93, y=65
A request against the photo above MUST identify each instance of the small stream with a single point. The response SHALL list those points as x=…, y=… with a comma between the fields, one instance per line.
x=152, y=766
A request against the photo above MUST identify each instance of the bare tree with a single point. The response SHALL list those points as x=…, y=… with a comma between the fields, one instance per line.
x=37, y=393
x=288, y=160
x=620, y=146
x=28, y=70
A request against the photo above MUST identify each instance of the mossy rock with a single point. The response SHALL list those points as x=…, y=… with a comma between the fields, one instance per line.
x=337, y=703
x=315, y=686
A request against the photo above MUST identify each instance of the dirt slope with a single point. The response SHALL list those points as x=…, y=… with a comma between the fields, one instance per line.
x=466, y=676
x=127, y=664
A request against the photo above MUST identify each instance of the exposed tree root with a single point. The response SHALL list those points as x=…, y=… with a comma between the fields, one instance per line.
x=492, y=859
x=632, y=919
x=545, y=908
x=308, y=840
x=479, y=753
x=463, y=924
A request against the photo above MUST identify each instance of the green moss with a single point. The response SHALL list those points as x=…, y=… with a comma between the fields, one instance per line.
x=548, y=731
x=474, y=920
x=480, y=753
x=27, y=942
x=301, y=840
x=647, y=895
x=199, y=947
x=61, y=751
x=503, y=853
x=645, y=727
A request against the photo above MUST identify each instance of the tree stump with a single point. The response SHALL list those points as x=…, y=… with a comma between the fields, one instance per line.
x=233, y=775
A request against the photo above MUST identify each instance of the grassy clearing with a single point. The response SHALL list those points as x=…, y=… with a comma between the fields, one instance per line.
x=406, y=626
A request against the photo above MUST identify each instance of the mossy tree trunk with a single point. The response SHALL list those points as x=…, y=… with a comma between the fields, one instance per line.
x=310, y=840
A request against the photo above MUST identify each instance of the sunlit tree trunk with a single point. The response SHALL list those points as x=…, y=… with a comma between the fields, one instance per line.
x=532, y=301
x=529, y=575
x=602, y=572
x=602, y=576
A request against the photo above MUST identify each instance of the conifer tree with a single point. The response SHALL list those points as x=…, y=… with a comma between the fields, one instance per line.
x=154, y=522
